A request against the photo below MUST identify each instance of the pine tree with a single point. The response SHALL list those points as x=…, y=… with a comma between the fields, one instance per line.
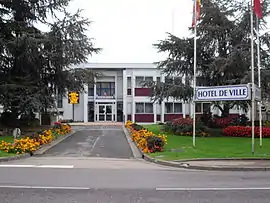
x=35, y=65
x=223, y=52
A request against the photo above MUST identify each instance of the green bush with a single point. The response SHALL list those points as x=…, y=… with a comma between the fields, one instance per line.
x=184, y=126
x=137, y=127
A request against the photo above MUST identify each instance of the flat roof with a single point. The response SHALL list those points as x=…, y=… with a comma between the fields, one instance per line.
x=116, y=65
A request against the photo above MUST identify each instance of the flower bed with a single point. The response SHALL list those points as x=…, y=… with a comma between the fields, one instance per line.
x=245, y=131
x=32, y=143
x=146, y=140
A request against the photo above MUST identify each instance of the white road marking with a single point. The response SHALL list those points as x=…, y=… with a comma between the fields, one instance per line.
x=43, y=187
x=93, y=146
x=211, y=189
x=36, y=166
x=17, y=166
x=55, y=166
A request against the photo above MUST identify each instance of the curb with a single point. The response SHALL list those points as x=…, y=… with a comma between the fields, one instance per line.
x=46, y=147
x=137, y=154
x=182, y=164
x=208, y=168
x=16, y=157
x=40, y=151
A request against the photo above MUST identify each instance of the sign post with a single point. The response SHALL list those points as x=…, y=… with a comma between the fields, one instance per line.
x=223, y=93
x=242, y=92
x=73, y=98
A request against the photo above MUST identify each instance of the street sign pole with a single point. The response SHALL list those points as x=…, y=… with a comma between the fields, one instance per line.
x=73, y=112
x=252, y=77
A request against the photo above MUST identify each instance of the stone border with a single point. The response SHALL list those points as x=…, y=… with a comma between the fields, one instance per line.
x=40, y=151
x=137, y=154
x=182, y=163
x=46, y=147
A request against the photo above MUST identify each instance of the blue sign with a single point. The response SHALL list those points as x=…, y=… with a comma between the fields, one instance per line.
x=223, y=93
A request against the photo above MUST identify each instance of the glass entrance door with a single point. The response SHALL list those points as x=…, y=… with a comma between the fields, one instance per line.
x=105, y=112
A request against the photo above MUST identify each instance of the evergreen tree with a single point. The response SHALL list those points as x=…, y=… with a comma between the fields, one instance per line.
x=223, y=52
x=36, y=65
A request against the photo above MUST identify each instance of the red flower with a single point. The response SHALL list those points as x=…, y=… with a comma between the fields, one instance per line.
x=245, y=131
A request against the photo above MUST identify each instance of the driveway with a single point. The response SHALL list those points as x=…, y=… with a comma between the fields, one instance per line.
x=94, y=141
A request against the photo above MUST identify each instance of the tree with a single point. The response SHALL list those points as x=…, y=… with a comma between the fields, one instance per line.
x=223, y=52
x=36, y=65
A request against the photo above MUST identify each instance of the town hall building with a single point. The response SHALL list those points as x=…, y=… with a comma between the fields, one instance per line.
x=118, y=95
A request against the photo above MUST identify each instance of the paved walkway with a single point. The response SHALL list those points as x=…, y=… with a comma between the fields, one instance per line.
x=94, y=141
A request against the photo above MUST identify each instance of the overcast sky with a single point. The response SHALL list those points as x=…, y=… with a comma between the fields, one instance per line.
x=126, y=29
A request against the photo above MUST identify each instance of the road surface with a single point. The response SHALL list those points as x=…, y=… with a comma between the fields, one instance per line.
x=85, y=168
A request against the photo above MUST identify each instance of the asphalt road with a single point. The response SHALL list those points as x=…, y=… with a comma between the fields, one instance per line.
x=94, y=141
x=131, y=196
x=94, y=166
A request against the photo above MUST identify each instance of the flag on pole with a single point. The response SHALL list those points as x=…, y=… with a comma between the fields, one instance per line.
x=257, y=8
x=197, y=10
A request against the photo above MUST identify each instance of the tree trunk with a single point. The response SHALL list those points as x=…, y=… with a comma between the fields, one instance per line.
x=226, y=110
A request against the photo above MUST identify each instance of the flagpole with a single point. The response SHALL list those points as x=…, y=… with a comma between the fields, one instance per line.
x=252, y=74
x=194, y=72
x=259, y=77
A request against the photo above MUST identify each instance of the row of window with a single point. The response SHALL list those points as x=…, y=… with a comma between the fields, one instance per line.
x=108, y=88
x=170, y=107
x=102, y=89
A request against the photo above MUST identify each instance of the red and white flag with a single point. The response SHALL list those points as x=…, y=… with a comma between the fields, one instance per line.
x=257, y=8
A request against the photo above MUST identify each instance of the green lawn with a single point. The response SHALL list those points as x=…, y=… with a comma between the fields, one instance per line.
x=7, y=139
x=180, y=147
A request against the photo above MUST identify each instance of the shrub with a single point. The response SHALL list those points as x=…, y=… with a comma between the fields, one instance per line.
x=146, y=140
x=245, y=131
x=184, y=127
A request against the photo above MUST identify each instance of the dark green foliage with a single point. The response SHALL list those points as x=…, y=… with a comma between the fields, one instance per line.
x=37, y=65
x=223, y=53
x=184, y=126
x=137, y=127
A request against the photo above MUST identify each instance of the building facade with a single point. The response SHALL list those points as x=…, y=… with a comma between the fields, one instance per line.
x=118, y=96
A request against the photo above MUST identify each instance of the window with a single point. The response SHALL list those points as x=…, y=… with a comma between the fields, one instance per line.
x=173, y=107
x=105, y=88
x=139, y=107
x=202, y=107
x=178, y=108
x=141, y=79
x=198, y=107
x=158, y=80
x=128, y=82
x=206, y=107
x=148, y=108
x=144, y=107
x=173, y=80
x=128, y=85
x=90, y=89
x=169, y=107
x=148, y=79
x=59, y=101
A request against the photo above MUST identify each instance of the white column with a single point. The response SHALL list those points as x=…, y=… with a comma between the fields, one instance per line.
x=125, y=95
x=162, y=110
x=155, y=112
x=154, y=104
x=133, y=83
x=95, y=95
x=85, y=103
x=115, y=105
x=184, y=109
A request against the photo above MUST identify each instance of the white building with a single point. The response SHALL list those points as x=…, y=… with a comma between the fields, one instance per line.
x=118, y=96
